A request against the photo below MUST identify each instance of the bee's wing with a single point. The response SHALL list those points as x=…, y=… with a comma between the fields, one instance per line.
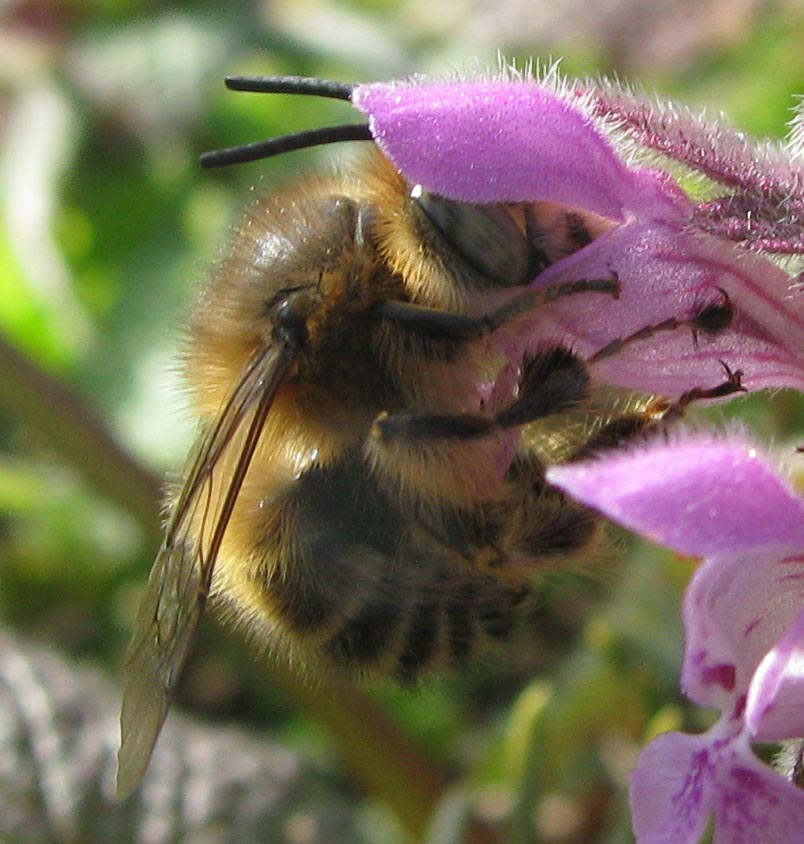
x=180, y=580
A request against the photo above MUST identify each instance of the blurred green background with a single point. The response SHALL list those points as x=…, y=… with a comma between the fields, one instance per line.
x=108, y=224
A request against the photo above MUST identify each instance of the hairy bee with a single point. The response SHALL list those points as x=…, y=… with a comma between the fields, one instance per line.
x=358, y=497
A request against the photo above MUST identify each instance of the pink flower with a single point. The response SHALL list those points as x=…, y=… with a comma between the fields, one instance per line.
x=515, y=139
x=744, y=620
x=518, y=139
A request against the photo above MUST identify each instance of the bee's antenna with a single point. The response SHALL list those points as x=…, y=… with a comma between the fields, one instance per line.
x=291, y=85
x=286, y=143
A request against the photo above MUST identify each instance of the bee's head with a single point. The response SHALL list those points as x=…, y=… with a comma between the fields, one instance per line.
x=298, y=273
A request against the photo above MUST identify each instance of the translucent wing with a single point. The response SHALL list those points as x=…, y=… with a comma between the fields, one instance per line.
x=180, y=580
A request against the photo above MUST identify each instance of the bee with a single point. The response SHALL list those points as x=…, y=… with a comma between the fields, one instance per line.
x=368, y=491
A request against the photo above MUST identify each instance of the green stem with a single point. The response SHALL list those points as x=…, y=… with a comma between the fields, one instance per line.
x=62, y=422
x=380, y=755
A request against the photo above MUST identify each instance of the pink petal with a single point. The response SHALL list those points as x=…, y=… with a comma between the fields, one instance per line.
x=664, y=274
x=672, y=790
x=774, y=708
x=502, y=139
x=487, y=140
x=755, y=804
x=681, y=780
x=710, y=498
x=700, y=495
x=735, y=611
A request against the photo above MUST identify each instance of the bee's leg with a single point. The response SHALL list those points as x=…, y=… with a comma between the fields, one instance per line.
x=670, y=411
x=620, y=430
x=437, y=324
x=545, y=528
x=461, y=459
x=659, y=413
x=553, y=381
x=709, y=319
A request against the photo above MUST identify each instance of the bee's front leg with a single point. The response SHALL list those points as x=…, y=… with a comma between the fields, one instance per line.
x=437, y=324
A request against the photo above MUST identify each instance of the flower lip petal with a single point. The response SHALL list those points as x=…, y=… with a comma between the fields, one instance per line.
x=754, y=803
x=507, y=140
x=681, y=780
x=718, y=499
x=698, y=495
x=671, y=790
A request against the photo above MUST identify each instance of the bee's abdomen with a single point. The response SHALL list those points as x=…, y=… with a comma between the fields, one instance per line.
x=440, y=620
x=363, y=586
x=477, y=609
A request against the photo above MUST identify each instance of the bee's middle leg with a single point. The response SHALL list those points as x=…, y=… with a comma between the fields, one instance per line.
x=462, y=458
x=553, y=381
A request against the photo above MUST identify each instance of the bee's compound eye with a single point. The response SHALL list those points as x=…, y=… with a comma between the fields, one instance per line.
x=485, y=237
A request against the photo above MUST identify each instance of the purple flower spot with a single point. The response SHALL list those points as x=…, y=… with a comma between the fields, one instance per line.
x=699, y=658
x=720, y=744
x=748, y=779
x=724, y=674
x=687, y=798
x=739, y=706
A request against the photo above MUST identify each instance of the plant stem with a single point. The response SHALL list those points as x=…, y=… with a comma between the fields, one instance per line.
x=64, y=423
